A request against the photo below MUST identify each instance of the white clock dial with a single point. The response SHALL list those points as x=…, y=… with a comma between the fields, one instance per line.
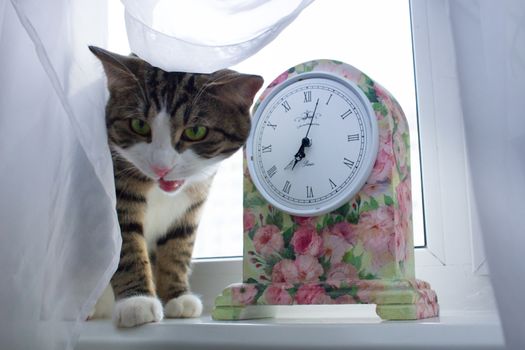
x=313, y=144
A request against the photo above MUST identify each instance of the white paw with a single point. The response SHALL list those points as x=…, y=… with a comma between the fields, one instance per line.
x=187, y=305
x=134, y=311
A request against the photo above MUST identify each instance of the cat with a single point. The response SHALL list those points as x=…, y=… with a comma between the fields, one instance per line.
x=168, y=133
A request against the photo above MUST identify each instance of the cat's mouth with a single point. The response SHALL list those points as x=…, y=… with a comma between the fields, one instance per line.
x=170, y=186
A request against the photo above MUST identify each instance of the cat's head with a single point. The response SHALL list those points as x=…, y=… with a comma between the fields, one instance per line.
x=175, y=127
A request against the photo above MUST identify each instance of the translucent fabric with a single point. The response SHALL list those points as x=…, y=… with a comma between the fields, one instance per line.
x=490, y=55
x=206, y=35
x=58, y=229
x=59, y=233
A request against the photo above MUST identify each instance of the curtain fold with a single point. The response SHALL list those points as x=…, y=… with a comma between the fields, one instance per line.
x=207, y=35
x=490, y=54
x=58, y=227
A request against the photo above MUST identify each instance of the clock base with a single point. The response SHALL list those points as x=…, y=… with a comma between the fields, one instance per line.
x=395, y=299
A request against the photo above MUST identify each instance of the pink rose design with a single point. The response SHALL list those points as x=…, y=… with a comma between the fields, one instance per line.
x=376, y=230
x=383, y=96
x=384, y=164
x=404, y=199
x=398, y=246
x=427, y=305
x=379, y=222
x=341, y=272
x=353, y=74
x=402, y=215
x=244, y=295
x=279, y=79
x=399, y=116
x=335, y=245
x=312, y=294
x=268, y=240
x=248, y=219
x=304, y=221
x=285, y=271
x=345, y=230
x=306, y=241
x=304, y=269
x=345, y=299
x=401, y=153
x=376, y=189
x=389, y=102
x=277, y=294
x=367, y=291
x=308, y=268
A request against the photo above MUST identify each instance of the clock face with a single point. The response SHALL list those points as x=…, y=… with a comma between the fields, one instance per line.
x=313, y=144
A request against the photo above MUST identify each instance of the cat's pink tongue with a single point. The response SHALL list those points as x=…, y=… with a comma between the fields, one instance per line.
x=170, y=186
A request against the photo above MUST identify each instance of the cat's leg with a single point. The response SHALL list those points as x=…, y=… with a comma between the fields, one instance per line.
x=133, y=285
x=173, y=269
x=136, y=301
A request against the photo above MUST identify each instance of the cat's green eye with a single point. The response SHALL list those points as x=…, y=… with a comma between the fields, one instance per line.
x=195, y=133
x=140, y=126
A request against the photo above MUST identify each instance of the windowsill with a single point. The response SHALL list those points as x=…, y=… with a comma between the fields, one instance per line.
x=453, y=330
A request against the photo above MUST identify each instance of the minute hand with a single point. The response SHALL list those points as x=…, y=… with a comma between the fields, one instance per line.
x=312, y=120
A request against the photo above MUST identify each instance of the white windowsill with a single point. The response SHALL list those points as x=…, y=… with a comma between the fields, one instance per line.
x=453, y=330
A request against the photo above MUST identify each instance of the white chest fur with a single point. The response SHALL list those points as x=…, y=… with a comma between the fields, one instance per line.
x=162, y=211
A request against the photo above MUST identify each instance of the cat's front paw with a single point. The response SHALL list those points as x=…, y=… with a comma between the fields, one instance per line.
x=134, y=311
x=186, y=305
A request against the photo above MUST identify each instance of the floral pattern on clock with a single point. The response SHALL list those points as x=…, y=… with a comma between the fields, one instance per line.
x=361, y=252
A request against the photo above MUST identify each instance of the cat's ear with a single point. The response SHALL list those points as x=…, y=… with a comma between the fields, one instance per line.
x=241, y=87
x=120, y=70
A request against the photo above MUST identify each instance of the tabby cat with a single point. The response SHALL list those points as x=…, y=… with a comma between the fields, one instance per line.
x=168, y=132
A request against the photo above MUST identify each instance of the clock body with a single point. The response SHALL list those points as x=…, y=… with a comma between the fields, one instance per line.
x=352, y=243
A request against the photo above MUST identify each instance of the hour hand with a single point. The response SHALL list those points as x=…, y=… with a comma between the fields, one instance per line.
x=297, y=158
x=305, y=142
x=299, y=155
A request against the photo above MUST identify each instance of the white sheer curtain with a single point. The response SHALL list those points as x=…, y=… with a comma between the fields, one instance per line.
x=204, y=36
x=59, y=236
x=490, y=55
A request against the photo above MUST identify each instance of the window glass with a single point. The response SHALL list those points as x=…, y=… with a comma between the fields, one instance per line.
x=372, y=35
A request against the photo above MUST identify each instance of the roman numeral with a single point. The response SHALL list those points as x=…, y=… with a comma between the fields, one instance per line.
x=286, y=106
x=329, y=98
x=266, y=149
x=272, y=171
x=349, y=163
x=346, y=114
x=287, y=186
x=309, y=192
x=272, y=125
x=354, y=137
x=307, y=96
x=332, y=184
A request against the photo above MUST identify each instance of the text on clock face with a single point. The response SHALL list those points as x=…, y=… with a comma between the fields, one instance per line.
x=310, y=143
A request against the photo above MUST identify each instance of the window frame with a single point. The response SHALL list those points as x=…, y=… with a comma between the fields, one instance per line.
x=450, y=225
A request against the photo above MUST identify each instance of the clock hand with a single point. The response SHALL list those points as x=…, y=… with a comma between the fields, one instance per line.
x=311, y=121
x=305, y=142
x=299, y=155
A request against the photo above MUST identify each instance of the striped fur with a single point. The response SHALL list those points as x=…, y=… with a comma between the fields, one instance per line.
x=158, y=227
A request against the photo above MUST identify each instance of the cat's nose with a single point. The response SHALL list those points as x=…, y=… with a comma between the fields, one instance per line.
x=160, y=171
